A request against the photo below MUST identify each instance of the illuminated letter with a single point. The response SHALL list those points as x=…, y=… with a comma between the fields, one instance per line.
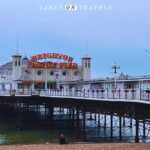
x=74, y=66
x=53, y=65
x=53, y=55
x=68, y=65
x=70, y=59
x=33, y=58
x=65, y=57
x=44, y=56
x=61, y=65
x=40, y=56
x=49, y=55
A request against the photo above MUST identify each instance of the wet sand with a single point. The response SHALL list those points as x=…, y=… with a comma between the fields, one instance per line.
x=109, y=146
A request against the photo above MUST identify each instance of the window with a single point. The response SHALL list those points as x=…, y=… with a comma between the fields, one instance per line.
x=18, y=63
x=52, y=73
x=85, y=65
x=27, y=71
x=15, y=63
x=39, y=72
x=64, y=73
x=89, y=65
x=76, y=73
x=128, y=86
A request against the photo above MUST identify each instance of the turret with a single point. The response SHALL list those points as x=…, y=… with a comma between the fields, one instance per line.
x=86, y=65
x=16, y=69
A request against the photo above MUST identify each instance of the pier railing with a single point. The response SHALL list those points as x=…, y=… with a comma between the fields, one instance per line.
x=132, y=94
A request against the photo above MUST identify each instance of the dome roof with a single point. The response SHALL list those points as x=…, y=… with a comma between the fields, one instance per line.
x=25, y=59
x=86, y=56
x=16, y=54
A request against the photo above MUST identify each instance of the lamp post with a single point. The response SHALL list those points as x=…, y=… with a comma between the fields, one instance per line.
x=115, y=67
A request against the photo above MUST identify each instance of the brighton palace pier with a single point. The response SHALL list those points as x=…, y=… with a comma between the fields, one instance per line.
x=57, y=71
x=53, y=80
x=43, y=71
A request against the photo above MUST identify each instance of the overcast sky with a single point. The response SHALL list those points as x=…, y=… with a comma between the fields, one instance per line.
x=115, y=30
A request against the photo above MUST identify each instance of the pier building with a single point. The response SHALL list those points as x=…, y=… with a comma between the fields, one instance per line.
x=58, y=71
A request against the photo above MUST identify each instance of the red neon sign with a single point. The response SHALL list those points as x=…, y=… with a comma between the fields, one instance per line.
x=68, y=64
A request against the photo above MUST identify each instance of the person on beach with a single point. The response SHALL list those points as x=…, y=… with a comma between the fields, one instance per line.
x=62, y=139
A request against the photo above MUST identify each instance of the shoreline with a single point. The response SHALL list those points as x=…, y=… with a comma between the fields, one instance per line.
x=101, y=146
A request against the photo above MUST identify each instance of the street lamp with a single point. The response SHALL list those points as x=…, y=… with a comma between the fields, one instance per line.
x=115, y=67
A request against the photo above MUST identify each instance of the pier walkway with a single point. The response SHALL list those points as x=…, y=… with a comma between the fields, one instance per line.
x=126, y=95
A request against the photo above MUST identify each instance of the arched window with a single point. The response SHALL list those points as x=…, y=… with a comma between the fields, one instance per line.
x=51, y=73
x=64, y=73
x=15, y=63
x=39, y=72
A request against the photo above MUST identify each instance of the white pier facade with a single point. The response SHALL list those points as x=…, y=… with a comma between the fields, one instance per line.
x=57, y=74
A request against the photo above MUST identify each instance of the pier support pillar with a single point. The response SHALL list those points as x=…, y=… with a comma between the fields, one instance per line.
x=95, y=116
x=50, y=118
x=77, y=123
x=111, y=126
x=73, y=116
x=2, y=108
x=131, y=122
x=105, y=124
x=91, y=116
x=120, y=128
x=60, y=112
x=105, y=120
x=124, y=121
x=98, y=120
x=45, y=114
x=84, y=126
x=70, y=113
x=137, y=130
x=18, y=115
x=144, y=129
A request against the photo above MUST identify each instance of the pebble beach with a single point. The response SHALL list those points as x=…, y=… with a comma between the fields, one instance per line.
x=108, y=146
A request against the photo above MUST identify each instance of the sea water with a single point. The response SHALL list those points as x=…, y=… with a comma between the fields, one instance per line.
x=35, y=130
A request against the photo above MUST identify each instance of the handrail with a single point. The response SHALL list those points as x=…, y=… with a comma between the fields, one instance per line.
x=131, y=94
